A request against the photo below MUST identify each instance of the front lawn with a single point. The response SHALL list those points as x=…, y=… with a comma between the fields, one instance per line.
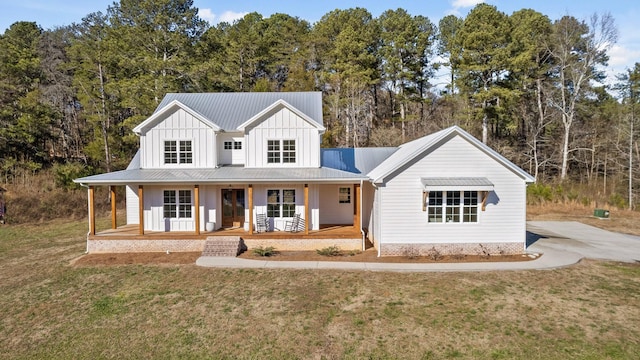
x=51, y=309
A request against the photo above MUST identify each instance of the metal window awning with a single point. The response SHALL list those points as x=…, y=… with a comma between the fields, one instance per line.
x=456, y=183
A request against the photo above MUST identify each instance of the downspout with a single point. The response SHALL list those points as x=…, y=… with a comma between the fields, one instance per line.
x=377, y=221
x=86, y=251
x=361, y=229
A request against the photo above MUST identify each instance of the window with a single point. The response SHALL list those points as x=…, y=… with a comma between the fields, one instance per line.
x=344, y=195
x=178, y=151
x=273, y=151
x=177, y=204
x=186, y=155
x=233, y=145
x=281, y=203
x=288, y=151
x=452, y=206
x=281, y=151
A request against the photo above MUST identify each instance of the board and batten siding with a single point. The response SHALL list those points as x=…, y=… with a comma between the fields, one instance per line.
x=331, y=210
x=231, y=156
x=179, y=125
x=260, y=204
x=132, y=201
x=400, y=200
x=283, y=124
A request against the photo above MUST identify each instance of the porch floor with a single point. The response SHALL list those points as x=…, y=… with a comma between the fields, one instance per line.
x=130, y=232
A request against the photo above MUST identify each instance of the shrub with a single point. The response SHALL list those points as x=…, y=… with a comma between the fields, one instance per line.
x=538, y=193
x=264, y=251
x=329, y=251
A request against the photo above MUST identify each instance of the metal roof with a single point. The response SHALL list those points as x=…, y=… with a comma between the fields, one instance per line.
x=457, y=183
x=355, y=160
x=225, y=174
x=409, y=151
x=230, y=110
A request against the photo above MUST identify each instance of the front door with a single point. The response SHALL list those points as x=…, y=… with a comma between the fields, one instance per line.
x=232, y=208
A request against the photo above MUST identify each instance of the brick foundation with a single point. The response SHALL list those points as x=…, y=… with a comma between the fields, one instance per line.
x=305, y=244
x=156, y=245
x=507, y=248
x=123, y=246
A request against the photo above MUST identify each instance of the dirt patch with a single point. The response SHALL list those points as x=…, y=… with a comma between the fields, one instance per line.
x=369, y=255
x=137, y=258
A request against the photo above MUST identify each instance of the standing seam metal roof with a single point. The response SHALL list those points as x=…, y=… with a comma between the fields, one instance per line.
x=230, y=110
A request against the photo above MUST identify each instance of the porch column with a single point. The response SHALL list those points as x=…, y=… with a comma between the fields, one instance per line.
x=196, y=200
x=141, y=209
x=250, y=194
x=307, y=221
x=357, y=200
x=112, y=195
x=92, y=210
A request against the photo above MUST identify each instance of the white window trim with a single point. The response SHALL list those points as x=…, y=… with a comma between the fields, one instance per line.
x=281, y=202
x=348, y=194
x=443, y=207
x=281, y=153
x=178, y=152
x=178, y=204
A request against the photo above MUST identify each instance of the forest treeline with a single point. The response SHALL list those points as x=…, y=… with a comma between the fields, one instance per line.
x=529, y=86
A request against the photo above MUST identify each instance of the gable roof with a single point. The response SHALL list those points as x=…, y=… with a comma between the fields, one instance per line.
x=409, y=151
x=167, y=109
x=275, y=106
x=230, y=110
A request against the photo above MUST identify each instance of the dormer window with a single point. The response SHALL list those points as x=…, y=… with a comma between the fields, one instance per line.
x=281, y=151
x=178, y=152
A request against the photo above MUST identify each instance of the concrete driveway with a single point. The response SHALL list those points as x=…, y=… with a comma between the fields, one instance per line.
x=587, y=241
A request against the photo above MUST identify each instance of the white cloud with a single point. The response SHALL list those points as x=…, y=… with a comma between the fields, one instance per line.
x=465, y=3
x=227, y=16
x=461, y=4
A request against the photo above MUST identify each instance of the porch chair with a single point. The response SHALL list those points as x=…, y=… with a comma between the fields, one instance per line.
x=295, y=224
x=262, y=223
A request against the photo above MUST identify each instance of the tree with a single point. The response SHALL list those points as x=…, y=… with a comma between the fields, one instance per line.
x=405, y=50
x=529, y=68
x=629, y=89
x=448, y=47
x=484, y=40
x=24, y=119
x=345, y=43
x=577, y=50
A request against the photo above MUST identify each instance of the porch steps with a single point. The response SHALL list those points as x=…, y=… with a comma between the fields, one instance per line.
x=220, y=246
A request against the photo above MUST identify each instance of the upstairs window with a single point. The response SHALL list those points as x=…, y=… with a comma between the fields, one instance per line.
x=273, y=151
x=452, y=207
x=233, y=145
x=178, y=152
x=281, y=151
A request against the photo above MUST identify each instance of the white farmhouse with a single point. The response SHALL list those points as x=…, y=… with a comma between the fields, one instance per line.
x=250, y=165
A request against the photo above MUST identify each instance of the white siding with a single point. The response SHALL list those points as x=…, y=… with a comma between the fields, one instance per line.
x=283, y=125
x=233, y=156
x=400, y=202
x=131, y=196
x=331, y=211
x=179, y=125
x=154, y=211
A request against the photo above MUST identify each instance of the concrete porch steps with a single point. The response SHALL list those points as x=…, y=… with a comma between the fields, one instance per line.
x=223, y=246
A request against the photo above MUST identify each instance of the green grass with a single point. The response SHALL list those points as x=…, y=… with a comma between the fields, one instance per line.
x=51, y=309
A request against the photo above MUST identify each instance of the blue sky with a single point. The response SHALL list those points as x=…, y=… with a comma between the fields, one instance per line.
x=51, y=13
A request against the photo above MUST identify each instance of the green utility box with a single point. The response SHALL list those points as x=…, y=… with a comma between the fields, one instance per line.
x=601, y=213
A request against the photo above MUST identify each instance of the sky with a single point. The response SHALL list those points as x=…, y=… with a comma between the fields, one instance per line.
x=623, y=55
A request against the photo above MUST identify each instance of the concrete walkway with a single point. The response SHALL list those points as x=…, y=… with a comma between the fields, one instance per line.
x=560, y=243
